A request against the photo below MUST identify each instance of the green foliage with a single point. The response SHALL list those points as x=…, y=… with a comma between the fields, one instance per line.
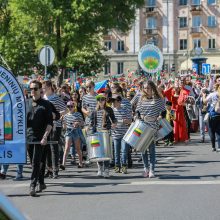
x=72, y=27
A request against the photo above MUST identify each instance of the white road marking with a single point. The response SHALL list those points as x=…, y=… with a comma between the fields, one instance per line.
x=174, y=182
x=140, y=183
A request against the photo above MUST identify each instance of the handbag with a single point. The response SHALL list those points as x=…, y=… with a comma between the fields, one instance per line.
x=206, y=117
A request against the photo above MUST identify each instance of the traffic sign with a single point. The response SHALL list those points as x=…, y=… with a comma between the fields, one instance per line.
x=206, y=68
x=46, y=55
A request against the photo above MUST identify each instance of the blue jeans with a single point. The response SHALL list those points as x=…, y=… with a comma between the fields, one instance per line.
x=152, y=157
x=4, y=168
x=120, y=146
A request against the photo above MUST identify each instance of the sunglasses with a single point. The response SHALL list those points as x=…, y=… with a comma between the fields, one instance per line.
x=70, y=106
x=88, y=87
x=35, y=89
x=101, y=99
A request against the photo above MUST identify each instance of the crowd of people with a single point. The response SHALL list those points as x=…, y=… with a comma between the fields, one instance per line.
x=59, y=120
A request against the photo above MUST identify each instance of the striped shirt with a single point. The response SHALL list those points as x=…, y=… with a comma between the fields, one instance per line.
x=135, y=99
x=126, y=105
x=70, y=118
x=121, y=128
x=152, y=108
x=59, y=104
x=89, y=103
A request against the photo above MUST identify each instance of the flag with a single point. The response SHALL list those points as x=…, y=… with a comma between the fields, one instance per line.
x=100, y=86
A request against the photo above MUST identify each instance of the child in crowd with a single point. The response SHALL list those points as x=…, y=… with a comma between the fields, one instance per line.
x=170, y=117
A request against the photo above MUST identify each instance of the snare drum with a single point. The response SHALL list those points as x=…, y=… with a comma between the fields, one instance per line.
x=139, y=135
x=99, y=147
x=165, y=129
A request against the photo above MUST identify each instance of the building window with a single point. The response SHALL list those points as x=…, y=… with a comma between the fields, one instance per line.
x=183, y=44
x=211, y=2
x=196, y=2
x=196, y=21
x=211, y=21
x=120, y=69
x=182, y=2
x=196, y=43
x=182, y=22
x=151, y=3
x=211, y=44
x=121, y=45
x=107, y=68
x=108, y=45
x=151, y=23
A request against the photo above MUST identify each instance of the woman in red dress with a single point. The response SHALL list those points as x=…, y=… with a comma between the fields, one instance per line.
x=177, y=96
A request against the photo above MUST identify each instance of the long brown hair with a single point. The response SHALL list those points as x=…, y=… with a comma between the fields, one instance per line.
x=104, y=113
x=156, y=94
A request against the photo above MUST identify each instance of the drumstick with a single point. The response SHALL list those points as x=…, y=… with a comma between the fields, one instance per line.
x=37, y=142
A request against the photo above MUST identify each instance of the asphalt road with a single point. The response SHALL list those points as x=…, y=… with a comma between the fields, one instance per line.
x=187, y=186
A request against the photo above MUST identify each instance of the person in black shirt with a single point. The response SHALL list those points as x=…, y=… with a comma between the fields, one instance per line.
x=39, y=125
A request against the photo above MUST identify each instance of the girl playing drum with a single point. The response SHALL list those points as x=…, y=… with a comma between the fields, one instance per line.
x=149, y=108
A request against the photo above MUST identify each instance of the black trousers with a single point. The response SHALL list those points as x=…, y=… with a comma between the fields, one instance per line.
x=37, y=154
x=214, y=126
x=53, y=153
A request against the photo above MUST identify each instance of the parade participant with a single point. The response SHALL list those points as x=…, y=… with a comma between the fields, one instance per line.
x=65, y=94
x=137, y=96
x=82, y=92
x=39, y=125
x=124, y=118
x=59, y=104
x=214, y=114
x=185, y=92
x=102, y=118
x=4, y=169
x=202, y=107
x=170, y=117
x=180, y=129
x=89, y=101
x=71, y=123
x=149, y=108
x=78, y=108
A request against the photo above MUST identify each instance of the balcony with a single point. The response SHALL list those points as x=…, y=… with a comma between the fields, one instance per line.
x=196, y=8
x=196, y=30
x=150, y=31
x=151, y=10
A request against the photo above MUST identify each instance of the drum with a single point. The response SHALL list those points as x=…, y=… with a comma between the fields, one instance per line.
x=165, y=129
x=139, y=136
x=99, y=147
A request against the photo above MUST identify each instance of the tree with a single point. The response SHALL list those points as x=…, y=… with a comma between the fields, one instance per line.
x=69, y=26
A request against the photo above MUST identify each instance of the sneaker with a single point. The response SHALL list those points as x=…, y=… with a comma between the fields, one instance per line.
x=2, y=176
x=32, y=191
x=124, y=170
x=106, y=173
x=49, y=174
x=151, y=174
x=62, y=167
x=80, y=166
x=166, y=144
x=117, y=169
x=171, y=144
x=41, y=187
x=19, y=176
x=55, y=174
x=213, y=149
x=146, y=173
x=100, y=172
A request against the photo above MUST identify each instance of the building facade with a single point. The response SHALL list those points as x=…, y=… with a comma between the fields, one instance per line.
x=177, y=27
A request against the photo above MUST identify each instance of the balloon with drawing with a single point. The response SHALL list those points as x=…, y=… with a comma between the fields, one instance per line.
x=150, y=58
